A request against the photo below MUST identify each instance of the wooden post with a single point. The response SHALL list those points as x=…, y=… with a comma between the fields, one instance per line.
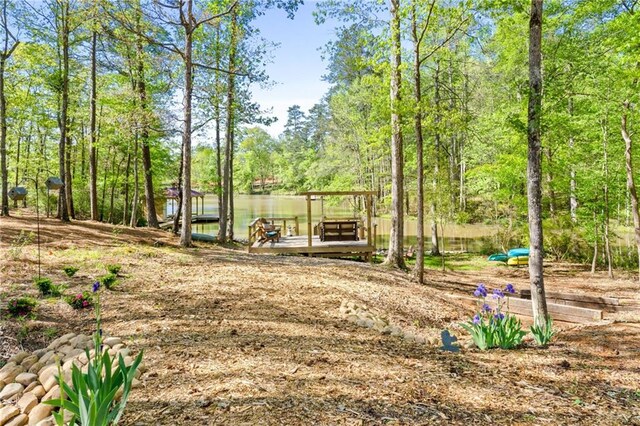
x=309, y=230
x=202, y=204
x=249, y=239
x=297, y=226
x=368, y=207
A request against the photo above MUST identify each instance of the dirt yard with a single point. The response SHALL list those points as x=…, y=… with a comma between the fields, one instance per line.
x=238, y=339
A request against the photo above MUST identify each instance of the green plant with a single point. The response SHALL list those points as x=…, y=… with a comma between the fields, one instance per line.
x=491, y=328
x=109, y=281
x=93, y=396
x=543, y=335
x=18, y=243
x=70, y=270
x=47, y=288
x=114, y=269
x=21, y=307
x=51, y=332
x=80, y=300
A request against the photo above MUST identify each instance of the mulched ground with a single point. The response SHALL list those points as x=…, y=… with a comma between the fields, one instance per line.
x=232, y=338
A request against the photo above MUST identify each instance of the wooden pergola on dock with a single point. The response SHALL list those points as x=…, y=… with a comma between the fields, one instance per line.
x=337, y=237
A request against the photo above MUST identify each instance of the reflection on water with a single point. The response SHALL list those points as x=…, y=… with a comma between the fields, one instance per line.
x=248, y=207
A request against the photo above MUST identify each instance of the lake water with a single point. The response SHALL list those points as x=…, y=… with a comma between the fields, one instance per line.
x=249, y=207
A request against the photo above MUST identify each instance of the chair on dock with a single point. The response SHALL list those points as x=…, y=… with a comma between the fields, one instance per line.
x=267, y=232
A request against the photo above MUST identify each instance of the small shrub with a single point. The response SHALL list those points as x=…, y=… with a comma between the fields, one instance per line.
x=493, y=328
x=114, y=269
x=47, y=288
x=70, y=270
x=109, y=281
x=21, y=307
x=543, y=335
x=81, y=300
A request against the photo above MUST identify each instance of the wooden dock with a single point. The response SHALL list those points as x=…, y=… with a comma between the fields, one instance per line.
x=298, y=244
x=196, y=218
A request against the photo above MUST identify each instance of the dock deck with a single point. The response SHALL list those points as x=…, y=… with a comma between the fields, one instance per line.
x=298, y=244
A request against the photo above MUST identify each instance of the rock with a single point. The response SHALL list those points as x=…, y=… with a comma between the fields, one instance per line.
x=47, y=358
x=128, y=361
x=32, y=386
x=17, y=358
x=68, y=366
x=2, y=385
x=48, y=372
x=35, y=368
x=78, y=341
x=27, y=402
x=117, y=347
x=19, y=420
x=65, y=350
x=54, y=393
x=7, y=366
x=40, y=352
x=49, y=421
x=10, y=390
x=73, y=354
x=38, y=391
x=124, y=352
x=10, y=374
x=66, y=337
x=112, y=341
x=25, y=379
x=28, y=362
x=54, y=344
x=396, y=331
x=409, y=336
x=353, y=318
x=7, y=413
x=38, y=413
x=421, y=339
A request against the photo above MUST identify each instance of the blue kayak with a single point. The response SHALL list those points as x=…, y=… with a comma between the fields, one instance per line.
x=518, y=252
x=498, y=257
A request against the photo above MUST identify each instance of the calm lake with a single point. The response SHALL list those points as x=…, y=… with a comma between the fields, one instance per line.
x=249, y=207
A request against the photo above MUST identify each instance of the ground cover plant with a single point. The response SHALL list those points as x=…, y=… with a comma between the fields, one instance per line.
x=82, y=300
x=21, y=307
x=70, y=271
x=47, y=288
x=109, y=281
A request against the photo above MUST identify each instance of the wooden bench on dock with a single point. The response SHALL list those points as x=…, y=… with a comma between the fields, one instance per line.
x=339, y=230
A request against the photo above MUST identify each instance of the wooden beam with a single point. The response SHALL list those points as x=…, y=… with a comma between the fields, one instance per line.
x=309, y=229
x=558, y=312
x=336, y=193
x=576, y=299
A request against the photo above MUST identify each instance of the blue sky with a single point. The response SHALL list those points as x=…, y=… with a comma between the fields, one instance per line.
x=297, y=68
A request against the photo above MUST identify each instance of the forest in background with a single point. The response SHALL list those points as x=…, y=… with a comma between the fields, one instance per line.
x=96, y=92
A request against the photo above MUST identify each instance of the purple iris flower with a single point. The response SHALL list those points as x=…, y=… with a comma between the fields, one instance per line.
x=96, y=286
x=499, y=316
x=510, y=289
x=481, y=291
x=486, y=308
x=498, y=294
x=476, y=319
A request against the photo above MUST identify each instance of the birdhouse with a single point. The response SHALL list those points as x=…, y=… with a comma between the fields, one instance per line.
x=18, y=193
x=54, y=183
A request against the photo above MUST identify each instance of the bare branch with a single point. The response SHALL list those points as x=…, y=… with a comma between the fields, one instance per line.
x=214, y=17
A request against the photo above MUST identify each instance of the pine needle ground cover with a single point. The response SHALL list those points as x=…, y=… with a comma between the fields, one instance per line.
x=237, y=339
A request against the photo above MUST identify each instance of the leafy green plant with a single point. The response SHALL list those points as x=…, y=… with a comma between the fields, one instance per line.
x=80, y=301
x=114, y=269
x=18, y=243
x=493, y=328
x=21, y=307
x=47, y=288
x=109, y=281
x=543, y=335
x=99, y=396
x=70, y=270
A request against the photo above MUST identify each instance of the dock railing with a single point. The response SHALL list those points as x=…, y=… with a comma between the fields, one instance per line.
x=280, y=221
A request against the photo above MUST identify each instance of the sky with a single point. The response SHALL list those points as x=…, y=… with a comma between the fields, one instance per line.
x=296, y=68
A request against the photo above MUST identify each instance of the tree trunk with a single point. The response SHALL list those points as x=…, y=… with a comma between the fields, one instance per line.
x=573, y=200
x=630, y=181
x=419, y=270
x=435, y=247
x=63, y=212
x=125, y=205
x=395, y=256
x=534, y=168
x=185, y=230
x=152, y=216
x=595, y=244
x=93, y=159
x=4, y=56
x=605, y=189
x=218, y=124
x=226, y=175
x=136, y=187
